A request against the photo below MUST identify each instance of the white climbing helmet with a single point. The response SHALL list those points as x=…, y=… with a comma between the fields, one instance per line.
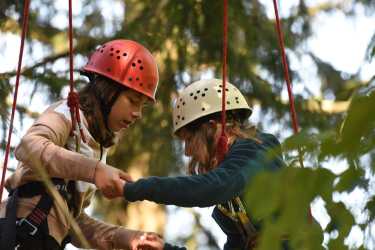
x=203, y=98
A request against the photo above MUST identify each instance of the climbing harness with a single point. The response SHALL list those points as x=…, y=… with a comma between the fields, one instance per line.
x=34, y=226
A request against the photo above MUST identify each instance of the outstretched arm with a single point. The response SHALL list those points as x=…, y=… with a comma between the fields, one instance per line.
x=244, y=160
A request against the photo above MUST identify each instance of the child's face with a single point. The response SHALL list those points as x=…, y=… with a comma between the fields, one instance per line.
x=126, y=110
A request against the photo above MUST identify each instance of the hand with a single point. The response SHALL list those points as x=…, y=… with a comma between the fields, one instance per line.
x=148, y=241
x=110, y=180
x=137, y=240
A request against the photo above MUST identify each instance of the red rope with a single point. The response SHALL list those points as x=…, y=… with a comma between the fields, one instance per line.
x=222, y=145
x=20, y=55
x=73, y=98
x=289, y=84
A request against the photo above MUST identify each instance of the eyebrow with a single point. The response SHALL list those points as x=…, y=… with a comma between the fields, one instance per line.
x=140, y=96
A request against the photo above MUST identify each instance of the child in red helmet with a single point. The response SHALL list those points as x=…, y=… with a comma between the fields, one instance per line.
x=123, y=77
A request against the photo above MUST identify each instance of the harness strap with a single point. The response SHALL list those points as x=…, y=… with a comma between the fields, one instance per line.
x=238, y=214
x=34, y=227
x=35, y=223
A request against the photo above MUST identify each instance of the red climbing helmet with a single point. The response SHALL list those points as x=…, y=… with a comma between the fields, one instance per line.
x=128, y=63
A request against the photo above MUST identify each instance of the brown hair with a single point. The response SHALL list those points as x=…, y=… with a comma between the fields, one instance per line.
x=96, y=100
x=202, y=139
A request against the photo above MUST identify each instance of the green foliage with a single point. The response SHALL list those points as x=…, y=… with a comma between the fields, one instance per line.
x=285, y=210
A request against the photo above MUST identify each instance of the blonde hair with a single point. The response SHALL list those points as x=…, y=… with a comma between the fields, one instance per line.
x=202, y=140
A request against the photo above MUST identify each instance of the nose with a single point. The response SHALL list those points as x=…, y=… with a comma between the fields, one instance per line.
x=137, y=114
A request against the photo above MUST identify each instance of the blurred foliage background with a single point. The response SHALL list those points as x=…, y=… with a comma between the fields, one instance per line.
x=186, y=38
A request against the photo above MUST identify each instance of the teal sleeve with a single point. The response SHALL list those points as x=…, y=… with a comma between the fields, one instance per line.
x=243, y=161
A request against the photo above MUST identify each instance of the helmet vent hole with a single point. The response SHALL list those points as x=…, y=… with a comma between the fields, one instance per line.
x=203, y=95
x=137, y=79
x=118, y=57
x=141, y=68
x=198, y=91
x=203, y=109
x=101, y=51
x=191, y=94
x=205, y=89
x=133, y=64
x=111, y=54
x=139, y=61
x=124, y=54
x=111, y=49
x=141, y=84
x=178, y=106
x=178, y=117
x=219, y=91
x=226, y=89
x=183, y=118
x=104, y=46
x=117, y=51
x=195, y=97
x=130, y=79
x=183, y=103
x=237, y=102
x=228, y=102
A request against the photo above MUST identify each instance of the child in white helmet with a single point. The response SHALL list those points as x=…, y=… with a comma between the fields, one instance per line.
x=123, y=77
x=196, y=121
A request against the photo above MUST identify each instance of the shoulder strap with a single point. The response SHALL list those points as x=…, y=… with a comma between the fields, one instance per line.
x=8, y=236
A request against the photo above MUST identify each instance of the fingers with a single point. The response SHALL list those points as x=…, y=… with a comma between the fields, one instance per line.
x=110, y=181
x=150, y=241
x=114, y=189
x=125, y=176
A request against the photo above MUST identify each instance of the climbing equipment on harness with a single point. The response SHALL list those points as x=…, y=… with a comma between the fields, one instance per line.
x=202, y=98
x=236, y=211
x=128, y=63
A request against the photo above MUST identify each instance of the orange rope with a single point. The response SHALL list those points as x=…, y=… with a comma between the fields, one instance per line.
x=73, y=98
x=288, y=84
x=25, y=22
x=222, y=145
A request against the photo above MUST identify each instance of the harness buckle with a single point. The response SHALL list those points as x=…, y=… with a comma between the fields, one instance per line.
x=27, y=223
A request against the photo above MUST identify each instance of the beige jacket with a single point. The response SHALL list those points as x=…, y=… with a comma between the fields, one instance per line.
x=49, y=144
